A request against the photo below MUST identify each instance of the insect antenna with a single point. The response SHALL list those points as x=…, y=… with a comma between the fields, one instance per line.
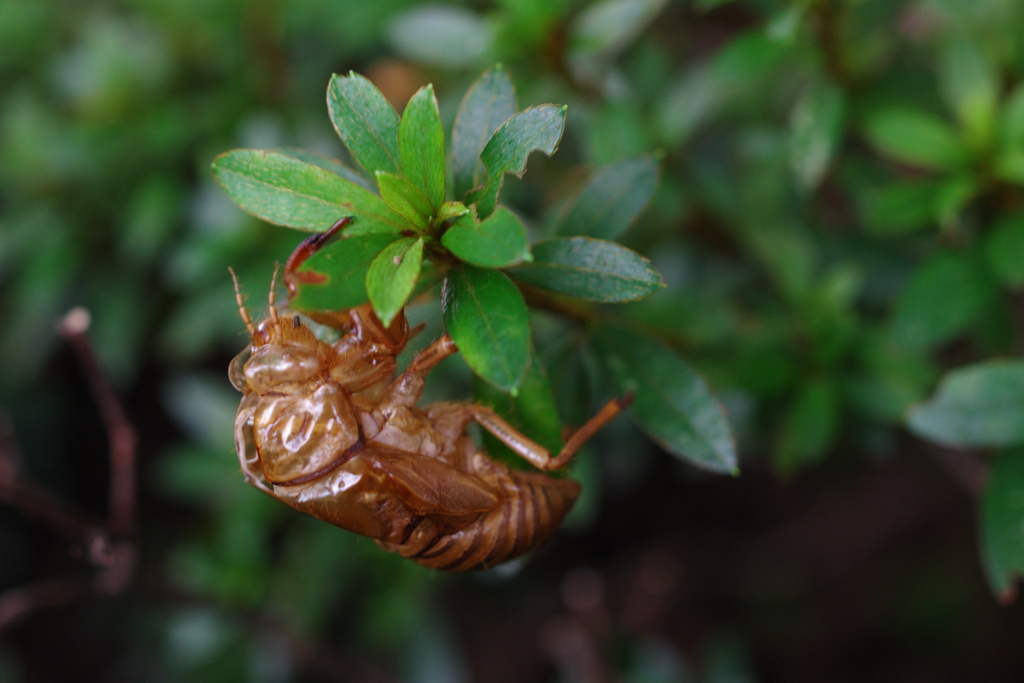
x=241, y=304
x=271, y=298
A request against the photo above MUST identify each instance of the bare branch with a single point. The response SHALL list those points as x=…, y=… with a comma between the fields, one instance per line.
x=18, y=603
x=73, y=327
x=109, y=547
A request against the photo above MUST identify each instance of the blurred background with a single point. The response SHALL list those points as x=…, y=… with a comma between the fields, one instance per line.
x=838, y=221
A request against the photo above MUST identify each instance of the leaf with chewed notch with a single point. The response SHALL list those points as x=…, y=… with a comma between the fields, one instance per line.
x=497, y=242
x=365, y=121
x=534, y=129
x=343, y=265
x=421, y=146
x=487, y=318
x=392, y=276
x=590, y=269
x=611, y=200
x=671, y=402
x=289, y=192
x=490, y=101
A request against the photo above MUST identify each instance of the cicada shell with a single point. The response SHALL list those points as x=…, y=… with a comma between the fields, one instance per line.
x=331, y=430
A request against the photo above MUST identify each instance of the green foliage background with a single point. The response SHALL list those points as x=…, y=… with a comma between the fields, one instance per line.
x=838, y=220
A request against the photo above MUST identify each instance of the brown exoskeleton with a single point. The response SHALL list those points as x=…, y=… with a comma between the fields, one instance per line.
x=329, y=430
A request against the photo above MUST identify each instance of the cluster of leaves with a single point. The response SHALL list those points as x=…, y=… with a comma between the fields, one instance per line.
x=405, y=235
x=878, y=198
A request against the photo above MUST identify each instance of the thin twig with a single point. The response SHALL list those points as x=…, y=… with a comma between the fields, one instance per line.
x=119, y=431
x=17, y=603
x=32, y=501
x=37, y=503
x=109, y=547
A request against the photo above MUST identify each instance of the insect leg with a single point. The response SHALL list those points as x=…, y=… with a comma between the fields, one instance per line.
x=589, y=428
x=534, y=453
x=524, y=447
x=426, y=359
x=307, y=248
x=408, y=388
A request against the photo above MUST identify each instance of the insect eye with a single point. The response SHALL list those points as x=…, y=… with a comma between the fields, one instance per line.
x=273, y=365
x=298, y=323
x=236, y=373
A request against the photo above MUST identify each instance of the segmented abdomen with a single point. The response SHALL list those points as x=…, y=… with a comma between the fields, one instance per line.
x=533, y=506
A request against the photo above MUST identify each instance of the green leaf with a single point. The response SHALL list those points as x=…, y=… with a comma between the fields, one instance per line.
x=976, y=405
x=809, y=428
x=915, y=137
x=883, y=398
x=608, y=26
x=785, y=24
x=490, y=101
x=286, y=191
x=534, y=129
x=900, y=207
x=365, y=121
x=940, y=301
x=392, y=277
x=789, y=254
x=816, y=125
x=450, y=210
x=955, y=193
x=590, y=269
x=895, y=378
x=616, y=130
x=532, y=410
x=1004, y=251
x=344, y=265
x=611, y=200
x=671, y=403
x=1012, y=120
x=403, y=197
x=421, y=146
x=1008, y=165
x=1002, y=525
x=689, y=101
x=486, y=316
x=748, y=59
x=970, y=85
x=440, y=35
x=497, y=242
x=328, y=164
